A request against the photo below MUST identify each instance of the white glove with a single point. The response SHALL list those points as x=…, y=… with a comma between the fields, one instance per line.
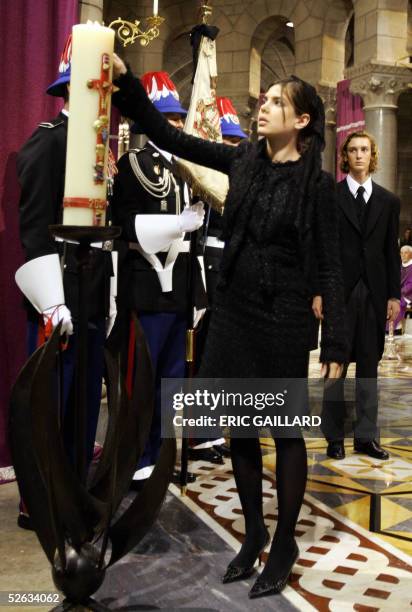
x=191, y=219
x=112, y=315
x=198, y=316
x=55, y=314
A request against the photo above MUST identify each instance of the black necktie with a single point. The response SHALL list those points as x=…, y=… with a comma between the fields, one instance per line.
x=359, y=194
x=361, y=206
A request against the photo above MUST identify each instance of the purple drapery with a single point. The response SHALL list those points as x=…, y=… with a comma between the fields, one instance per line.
x=349, y=117
x=32, y=37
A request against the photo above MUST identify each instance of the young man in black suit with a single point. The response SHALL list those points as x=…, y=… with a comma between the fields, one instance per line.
x=368, y=227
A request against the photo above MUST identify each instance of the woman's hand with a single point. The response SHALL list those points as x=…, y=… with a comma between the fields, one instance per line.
x=331, y=370
x=317, y=307
x=393, y=310
x=119, y=67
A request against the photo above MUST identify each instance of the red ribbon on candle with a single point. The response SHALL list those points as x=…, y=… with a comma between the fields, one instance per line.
x=96, y=204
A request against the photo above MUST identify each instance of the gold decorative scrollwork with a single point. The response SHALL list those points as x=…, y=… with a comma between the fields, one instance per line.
x=129, y=32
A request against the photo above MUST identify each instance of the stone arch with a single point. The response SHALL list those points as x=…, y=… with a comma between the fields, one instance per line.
x=350, y=43
x=272, y=56
x=184, y=16
x=176, y=50
x=339, y=17
x=177, y=61
x=262, y=27
x=278, y=60
x=271, y=39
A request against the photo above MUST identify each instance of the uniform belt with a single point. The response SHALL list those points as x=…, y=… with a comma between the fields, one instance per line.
x=107, y=245
x=164, y=272
x=182, y=247
x=212, y=241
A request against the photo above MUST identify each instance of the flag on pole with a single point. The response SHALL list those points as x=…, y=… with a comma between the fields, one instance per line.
x=203, y=121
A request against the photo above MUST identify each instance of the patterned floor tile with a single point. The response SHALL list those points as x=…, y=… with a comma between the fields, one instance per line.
x=335, y=499
x=360, y=466
x=403, y=500
x=341, y=565
x=393, y=515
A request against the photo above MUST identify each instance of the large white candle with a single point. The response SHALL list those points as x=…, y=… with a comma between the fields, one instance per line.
x=90, y=43
x=155, y=7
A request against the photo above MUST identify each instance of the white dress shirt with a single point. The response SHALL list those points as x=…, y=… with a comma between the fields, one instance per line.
x=354, y=186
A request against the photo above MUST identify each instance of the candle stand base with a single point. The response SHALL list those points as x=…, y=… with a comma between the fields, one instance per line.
x=90, y=604
x=84, y=236
x=73, y=516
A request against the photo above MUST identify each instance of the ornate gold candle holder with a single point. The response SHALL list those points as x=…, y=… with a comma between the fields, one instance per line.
x=129, y=32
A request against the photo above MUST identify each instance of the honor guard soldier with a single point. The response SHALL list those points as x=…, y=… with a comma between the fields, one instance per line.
x=232, y=133
x=153, y=206
x=51, y=296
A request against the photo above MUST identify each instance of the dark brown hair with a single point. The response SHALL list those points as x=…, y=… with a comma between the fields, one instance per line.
x=311, y=140
x=304, y=99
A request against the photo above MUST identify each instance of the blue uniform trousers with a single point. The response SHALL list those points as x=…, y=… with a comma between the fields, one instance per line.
x=165, y=335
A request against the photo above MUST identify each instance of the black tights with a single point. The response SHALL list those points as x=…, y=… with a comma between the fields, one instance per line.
x=291, y=473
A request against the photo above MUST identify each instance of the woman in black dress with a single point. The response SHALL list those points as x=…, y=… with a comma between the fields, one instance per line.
x=279, y=219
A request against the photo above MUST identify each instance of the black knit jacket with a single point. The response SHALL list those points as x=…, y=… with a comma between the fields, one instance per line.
x=245, y=167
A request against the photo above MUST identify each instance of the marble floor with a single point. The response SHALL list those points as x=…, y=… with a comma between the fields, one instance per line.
x=343, y=564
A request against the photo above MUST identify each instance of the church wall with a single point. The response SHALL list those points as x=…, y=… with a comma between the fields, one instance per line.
x=404, y=182
x=254, y=45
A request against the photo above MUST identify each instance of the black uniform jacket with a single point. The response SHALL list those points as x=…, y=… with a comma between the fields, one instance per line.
x=212, y=255
x=139, y=284
x=41, y=168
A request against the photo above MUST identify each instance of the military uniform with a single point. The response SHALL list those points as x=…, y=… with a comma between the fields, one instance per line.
x=146, y=184
x=131, y=197
x=41, y=167
x=213, y=251
x=212, y=248
x=212, y=448
x=41, y=171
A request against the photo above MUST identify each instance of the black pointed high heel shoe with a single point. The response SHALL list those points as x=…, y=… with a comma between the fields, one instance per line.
x=236, y=572
x=262, y=587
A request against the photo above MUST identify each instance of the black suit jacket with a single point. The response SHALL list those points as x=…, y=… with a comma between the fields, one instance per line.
x=374, y=253
x=41, y=164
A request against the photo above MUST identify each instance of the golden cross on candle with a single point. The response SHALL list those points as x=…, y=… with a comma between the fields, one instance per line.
x=104, y=87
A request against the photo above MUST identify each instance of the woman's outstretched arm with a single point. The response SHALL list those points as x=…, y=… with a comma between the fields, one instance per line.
x=333, y=343
x=133, y=102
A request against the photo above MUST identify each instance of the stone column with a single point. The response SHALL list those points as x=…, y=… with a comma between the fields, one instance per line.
x=382, y=122
x=380, y=86
x=328, y=95
x=91, y=9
